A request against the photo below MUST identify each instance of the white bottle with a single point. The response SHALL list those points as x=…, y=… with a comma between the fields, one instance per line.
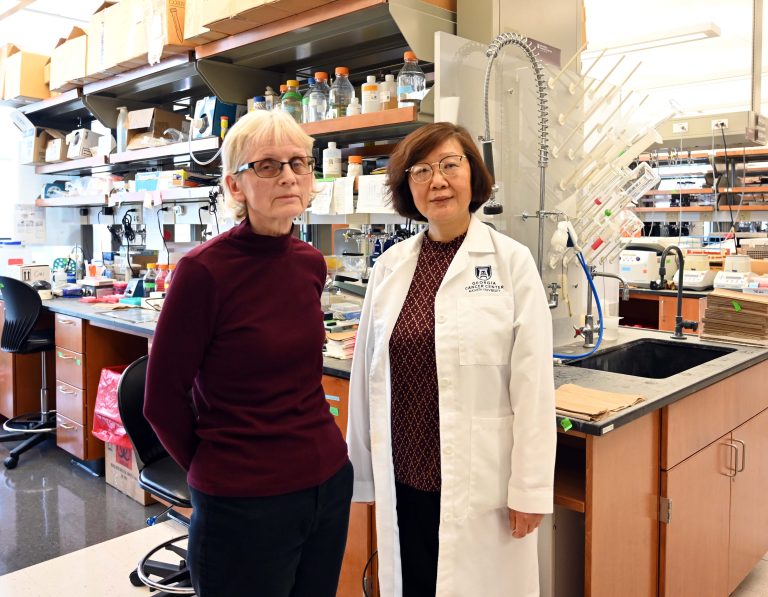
x=354, y=107
x=59, y=278
x=388, y=93
x=331, y=161
x=370, y=95
x=122, y=129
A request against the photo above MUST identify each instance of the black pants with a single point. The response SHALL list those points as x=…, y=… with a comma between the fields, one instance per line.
x=418, y=518
x=288, y=545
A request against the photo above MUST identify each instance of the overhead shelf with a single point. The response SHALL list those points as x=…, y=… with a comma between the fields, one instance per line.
x=73, y=167
x=164, y=152
x=77, y=201
x=172, y=195
x=698, y=208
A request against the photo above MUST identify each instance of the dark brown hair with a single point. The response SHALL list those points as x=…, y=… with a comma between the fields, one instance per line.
x=415, y=147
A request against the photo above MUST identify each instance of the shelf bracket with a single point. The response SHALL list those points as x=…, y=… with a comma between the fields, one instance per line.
x=234, y=84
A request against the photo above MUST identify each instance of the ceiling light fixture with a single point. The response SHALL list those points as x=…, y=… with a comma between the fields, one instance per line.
x=662, y=38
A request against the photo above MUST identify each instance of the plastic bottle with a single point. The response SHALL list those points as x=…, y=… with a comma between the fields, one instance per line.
x=411, y=82
x=161, y=277
x=388, y=93
x=259, y=102
x=291, y=100
x=355, y=165
x=224, y=126
x=341, y=93
x=318, y=98
x=370, y=95
x=169, y=277
x=279, y=99
x=59, y=278
x=305, y=100
x=271, y=98
x=122, y=129
x=354, y=107
x=331, y=161
x=150, y=278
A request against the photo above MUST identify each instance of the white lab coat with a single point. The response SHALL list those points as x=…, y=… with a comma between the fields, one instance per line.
x=493, y=343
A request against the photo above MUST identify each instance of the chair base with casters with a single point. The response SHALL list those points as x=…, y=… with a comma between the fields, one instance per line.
x=161, y=477
x=22, y=309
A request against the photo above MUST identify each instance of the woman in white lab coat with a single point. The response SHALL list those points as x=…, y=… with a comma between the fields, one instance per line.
x=452, y=418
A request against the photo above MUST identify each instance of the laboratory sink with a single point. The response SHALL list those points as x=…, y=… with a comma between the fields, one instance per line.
x=649, y=357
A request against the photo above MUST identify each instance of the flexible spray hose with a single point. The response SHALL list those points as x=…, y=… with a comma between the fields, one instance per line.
x=599, y=313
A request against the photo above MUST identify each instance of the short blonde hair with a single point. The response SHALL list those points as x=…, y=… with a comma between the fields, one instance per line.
x=256, y=129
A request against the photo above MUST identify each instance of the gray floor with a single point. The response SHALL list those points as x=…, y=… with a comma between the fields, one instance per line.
x=49, y=507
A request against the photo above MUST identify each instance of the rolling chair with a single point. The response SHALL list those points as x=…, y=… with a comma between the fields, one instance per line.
x=22, y=310
x=159, y=475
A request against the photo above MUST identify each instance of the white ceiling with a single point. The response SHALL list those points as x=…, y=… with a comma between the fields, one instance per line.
x=706, y=76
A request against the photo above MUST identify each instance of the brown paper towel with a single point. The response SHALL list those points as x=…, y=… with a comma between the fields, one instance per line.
x=578, y=402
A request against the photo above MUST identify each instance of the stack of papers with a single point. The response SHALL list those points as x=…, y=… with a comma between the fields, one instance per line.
x=340, y=345
x=736, y=317
x=577, y=402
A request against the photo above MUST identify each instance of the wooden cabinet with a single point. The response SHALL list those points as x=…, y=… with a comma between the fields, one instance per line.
x=657, y=311
x=714, y=481
x=21, y=376
x=82, y=351
x=360, y=537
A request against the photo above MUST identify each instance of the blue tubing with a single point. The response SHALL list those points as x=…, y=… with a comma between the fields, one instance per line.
x=599, y=314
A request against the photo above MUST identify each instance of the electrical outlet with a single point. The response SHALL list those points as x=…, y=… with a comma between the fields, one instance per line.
x=679, y=127
x=179, y=210
x=719, y=123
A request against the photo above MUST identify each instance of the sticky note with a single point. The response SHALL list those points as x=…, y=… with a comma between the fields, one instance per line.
x=736, y=306
x=78, y=362
x=566, y=424
x=332, y=397
x=334, y=411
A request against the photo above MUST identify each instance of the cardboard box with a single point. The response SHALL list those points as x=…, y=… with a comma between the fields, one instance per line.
x=80, y=142
x=24, y=76
x=68, y=61
x=220, y=16
x=152, y=122
x=31, y=272
x=56, y=148
x=122, y=473
x=195, y=30
x=262, y=12
x=97, y=58
x=34, y=143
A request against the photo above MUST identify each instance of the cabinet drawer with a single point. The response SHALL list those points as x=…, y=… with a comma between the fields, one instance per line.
x=70, y=436
x=70, y=367
x=69, y=332
x=69, y=401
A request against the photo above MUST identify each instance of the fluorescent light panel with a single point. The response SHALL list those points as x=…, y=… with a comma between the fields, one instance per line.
x=669, y=38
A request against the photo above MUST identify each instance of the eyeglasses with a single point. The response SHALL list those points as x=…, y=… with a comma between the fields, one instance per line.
x=423, y=172
x=272, y=168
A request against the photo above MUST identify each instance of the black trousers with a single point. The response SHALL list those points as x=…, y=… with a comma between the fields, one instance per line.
x=418, y=519
x=288, y=545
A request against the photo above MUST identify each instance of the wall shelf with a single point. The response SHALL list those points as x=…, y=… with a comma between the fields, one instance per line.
x=165, y=152
x=73, y=167
x=698, y=208
x=79, y=201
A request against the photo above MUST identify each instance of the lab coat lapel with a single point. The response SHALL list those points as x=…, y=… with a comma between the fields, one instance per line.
x=478, y=240
x=398, y=279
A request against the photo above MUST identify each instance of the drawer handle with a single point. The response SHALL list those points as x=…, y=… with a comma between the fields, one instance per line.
x=65, y=322
x=64, y=357
x=743, y=454
x=64, y=390
x=63, y=426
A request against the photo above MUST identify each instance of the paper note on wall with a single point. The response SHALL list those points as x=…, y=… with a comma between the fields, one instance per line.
x=373, y=196
x=321, y=203
x=343, y=195
x=29, y=224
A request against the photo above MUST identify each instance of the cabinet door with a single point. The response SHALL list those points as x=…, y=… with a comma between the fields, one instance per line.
x=668, y=312
x=749, y=499
x=694, y=544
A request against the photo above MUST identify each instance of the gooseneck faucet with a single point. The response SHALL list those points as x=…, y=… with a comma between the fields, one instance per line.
x=680, y=323
x=589, y=328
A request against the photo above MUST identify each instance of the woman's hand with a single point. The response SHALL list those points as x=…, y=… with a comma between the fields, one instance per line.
x=522, y=523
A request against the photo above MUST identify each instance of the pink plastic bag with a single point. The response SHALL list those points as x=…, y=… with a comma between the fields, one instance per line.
x=107, y=425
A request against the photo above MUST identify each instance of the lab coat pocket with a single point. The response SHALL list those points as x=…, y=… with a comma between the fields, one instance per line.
x=486, y=332
x=490, y=463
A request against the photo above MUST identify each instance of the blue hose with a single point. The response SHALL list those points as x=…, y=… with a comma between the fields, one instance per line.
x=599, y=313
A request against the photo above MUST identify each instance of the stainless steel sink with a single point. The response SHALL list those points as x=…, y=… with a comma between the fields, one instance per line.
x=652, y=358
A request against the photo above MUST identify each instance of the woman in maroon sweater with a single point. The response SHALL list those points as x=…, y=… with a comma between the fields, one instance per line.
x=234, y=383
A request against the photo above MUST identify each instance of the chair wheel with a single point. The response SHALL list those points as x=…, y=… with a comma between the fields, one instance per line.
x=134, y=578
x=11, y=461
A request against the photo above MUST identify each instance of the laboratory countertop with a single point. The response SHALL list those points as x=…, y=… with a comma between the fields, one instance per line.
x=657, y=393
x=696, y=294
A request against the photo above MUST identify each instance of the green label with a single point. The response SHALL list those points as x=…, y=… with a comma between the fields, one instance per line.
x=334, y=411
x=78, y=362
x=60, y=354
x=736, y=306
x=566, y=424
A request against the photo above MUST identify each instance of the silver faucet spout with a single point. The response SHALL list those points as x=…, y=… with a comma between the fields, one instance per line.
x=589, y=328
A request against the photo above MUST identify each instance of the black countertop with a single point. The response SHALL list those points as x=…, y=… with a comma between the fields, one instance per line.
x=657, y=393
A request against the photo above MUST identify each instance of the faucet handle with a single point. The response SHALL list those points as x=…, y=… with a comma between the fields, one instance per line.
x=625, y=293
x=690, y=325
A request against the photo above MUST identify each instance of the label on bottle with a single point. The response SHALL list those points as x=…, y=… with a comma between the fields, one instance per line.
x=332, y=167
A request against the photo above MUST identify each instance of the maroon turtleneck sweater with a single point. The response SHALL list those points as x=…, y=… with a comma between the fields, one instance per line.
x=242, y=328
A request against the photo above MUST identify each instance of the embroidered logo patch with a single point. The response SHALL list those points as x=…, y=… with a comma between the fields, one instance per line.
x=483, y=272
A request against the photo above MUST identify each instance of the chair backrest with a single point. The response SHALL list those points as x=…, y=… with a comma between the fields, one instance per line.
x=130, y=403
x=22, y=310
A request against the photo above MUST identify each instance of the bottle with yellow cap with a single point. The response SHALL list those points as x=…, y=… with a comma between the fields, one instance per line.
x=291, y=100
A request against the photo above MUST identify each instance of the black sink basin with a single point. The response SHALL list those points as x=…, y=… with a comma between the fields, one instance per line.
x=651, y=358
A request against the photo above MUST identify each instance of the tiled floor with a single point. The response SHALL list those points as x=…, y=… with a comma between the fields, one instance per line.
x=66, y=533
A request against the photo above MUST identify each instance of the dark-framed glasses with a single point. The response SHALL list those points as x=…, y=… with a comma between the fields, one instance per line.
x=271, y=168
x=449, y=166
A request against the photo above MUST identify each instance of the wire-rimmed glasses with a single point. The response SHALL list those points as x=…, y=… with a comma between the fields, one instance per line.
x=448, y=166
